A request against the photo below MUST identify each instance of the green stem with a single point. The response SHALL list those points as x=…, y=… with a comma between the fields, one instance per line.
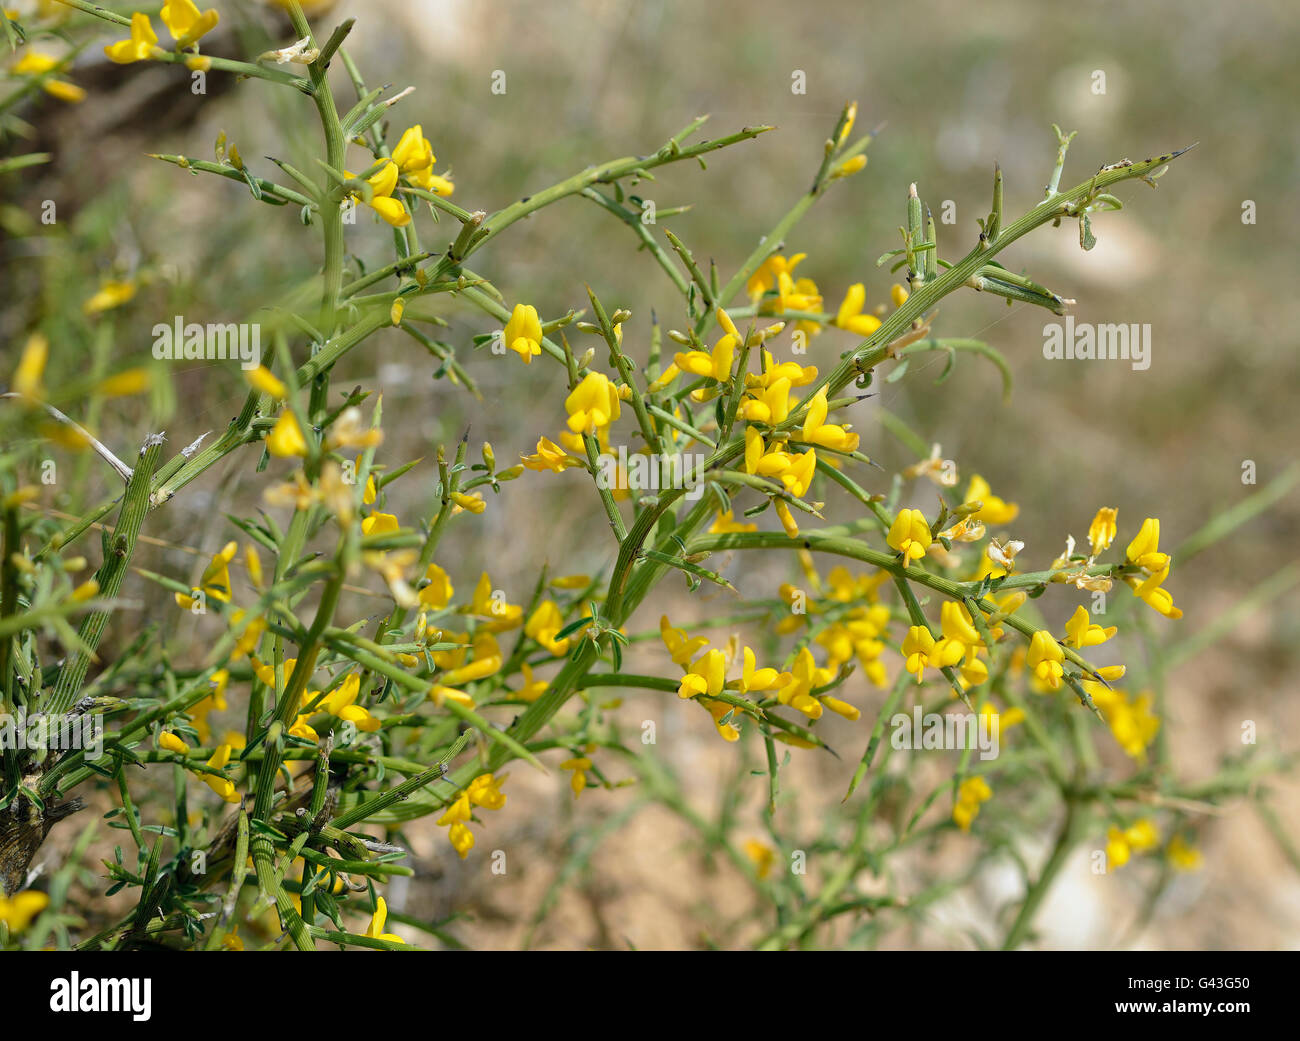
x=117, y=560
x=1071, y=827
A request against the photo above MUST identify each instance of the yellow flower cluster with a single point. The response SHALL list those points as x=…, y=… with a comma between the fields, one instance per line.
x=186, y=23
x=1121, y=843
x=971, y=793
x=485, y=791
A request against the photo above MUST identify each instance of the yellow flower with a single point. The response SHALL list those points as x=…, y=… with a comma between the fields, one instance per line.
x=850, y=117
x=592, y=404
x=843, y=708
x=112, y=293
x=1045, y=658
x=783, y=514
x=438, y=185
x=1121, y=844
x=579, y=765
x=721, y=710
x=680, y=646
x=849, y=167
x=798, y=684
x=31, y=367
x=1144, y=550
x=485, y=661
x=1102, y=530
x=570, y=581
x=414, y=158
x=956, y=623
x=1131, y=720
x=756, y=452
x=223, y=786
x=549, y=456
x=1000, y=721
x=769, y=404
x=797, y=294
x=215, y=582
x=472, y=503
x=214, y=702
x=859, y=635
x=707, y=676
x=818, y=432
x=253, y=561
x=798, y=375
x=124, y=383
x=379, y=523
x=485, y=791
x=716, y=366
x=754, y=679
x=922, y=650
x=1151, y=593
x=1142, y=835
x=17, y=911
x=301, y=724
x=994, y=510
x=413, y=154
x=496, y=615
x=34, y=63
x=341, y=702
x=543, y=625
x=532, y=689
x=970, y=794
x=266, y=673
x=1082, y=633
x=898, y=295
x=140, y=46
x=262, y=379
x=439, y=694
x=437, y=593
x=172, y=743
x=1117, y=849
x=285, y=439
x=185, y=23
x=351, y=430
x=973, y=670
x=850, y=314
x=523, y=333
x=762, y=855
x=382, y=183
x=910, y=535
x=769, y=272
x=725, y=523
x=795, y=471
x=1183, y=856
x=377, y=922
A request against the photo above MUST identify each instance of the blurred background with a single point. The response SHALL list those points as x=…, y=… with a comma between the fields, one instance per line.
x=954, y=87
